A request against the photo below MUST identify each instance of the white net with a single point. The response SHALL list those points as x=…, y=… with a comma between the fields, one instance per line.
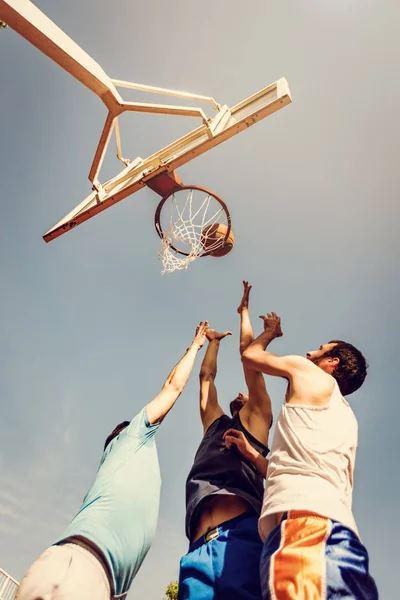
x=188, y=228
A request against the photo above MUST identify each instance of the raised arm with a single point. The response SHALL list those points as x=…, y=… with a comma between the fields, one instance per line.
x=177, y=379
x=257, y=358
x=246, y=330
x=209, y=407
x=308, y=384
x=256, y=415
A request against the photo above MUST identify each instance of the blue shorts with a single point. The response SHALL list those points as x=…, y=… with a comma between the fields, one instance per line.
x=227, y=566
x=309, y=556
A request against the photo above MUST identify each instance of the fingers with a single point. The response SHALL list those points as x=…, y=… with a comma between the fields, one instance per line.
x=270, y=315
x=233, y=437
x=212, y=334
x=231, y=441
x=233, y=433
x=201, y=333
x=246, y=290
x=244, y=303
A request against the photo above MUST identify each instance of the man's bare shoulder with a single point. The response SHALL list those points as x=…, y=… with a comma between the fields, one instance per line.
x=310, y=385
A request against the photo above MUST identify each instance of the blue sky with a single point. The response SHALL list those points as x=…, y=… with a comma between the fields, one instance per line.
x=90, y=329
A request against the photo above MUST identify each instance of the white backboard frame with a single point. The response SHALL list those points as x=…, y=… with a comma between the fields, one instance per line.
x=25, y=18
x=137, y=174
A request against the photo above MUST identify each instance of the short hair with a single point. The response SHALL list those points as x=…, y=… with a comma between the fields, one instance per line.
x=351, y=371
x=116, y=432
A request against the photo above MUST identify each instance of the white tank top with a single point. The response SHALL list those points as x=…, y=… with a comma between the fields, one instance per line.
x=312, y=462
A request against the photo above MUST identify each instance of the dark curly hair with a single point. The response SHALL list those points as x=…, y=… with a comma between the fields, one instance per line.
x=351, y=371
x=116, y=432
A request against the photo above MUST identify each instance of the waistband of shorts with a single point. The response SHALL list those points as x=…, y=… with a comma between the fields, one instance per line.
x=97, y=554
x=299, y=514
x=214, y=532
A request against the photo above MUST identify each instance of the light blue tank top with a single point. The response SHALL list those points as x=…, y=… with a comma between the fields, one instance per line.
x=119, y=513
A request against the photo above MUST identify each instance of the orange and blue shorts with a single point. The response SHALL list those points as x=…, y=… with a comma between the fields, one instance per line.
x=309, y=557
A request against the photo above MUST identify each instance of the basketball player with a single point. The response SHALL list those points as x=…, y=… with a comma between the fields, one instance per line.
x=102, y=549
x=224, y=490
x=311, y=544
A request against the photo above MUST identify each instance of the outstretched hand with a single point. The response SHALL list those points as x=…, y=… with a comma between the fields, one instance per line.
x=238, y=440
x=272, y=323
x=201, y=333
x=244, y=303
x=216, y=335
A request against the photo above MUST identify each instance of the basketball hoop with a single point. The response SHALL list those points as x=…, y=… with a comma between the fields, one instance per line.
x=184, y=220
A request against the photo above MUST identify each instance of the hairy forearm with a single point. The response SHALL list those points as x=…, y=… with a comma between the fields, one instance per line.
x=236, y=439
x=177, y=379
x=172, y=373
x=173, y=387
x=254, y=355
x=209, y=364
x=181, y=372
x=256, y=459
x=261, y=342
x=261, y=464
x=246, y=330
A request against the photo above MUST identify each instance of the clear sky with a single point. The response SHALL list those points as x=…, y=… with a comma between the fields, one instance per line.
x=90, y=329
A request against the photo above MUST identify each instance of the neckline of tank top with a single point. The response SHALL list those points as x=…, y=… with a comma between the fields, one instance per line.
x=335, y=391
x=250, y=435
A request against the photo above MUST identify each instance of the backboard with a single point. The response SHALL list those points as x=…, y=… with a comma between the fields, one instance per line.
x=158, y=170
x=143, y=172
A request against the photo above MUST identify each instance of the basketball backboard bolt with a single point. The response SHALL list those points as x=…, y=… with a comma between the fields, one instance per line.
x=101, y=194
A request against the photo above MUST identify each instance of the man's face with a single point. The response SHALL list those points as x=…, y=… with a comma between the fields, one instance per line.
x=326, y=363
x=238, y=403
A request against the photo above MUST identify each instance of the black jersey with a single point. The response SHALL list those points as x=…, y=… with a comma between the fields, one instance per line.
x=219, y=470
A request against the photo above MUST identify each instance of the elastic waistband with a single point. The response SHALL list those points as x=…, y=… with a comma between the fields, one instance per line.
x=90, y=549
x=298, y=514
x=85, y=546
x=214, y=532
